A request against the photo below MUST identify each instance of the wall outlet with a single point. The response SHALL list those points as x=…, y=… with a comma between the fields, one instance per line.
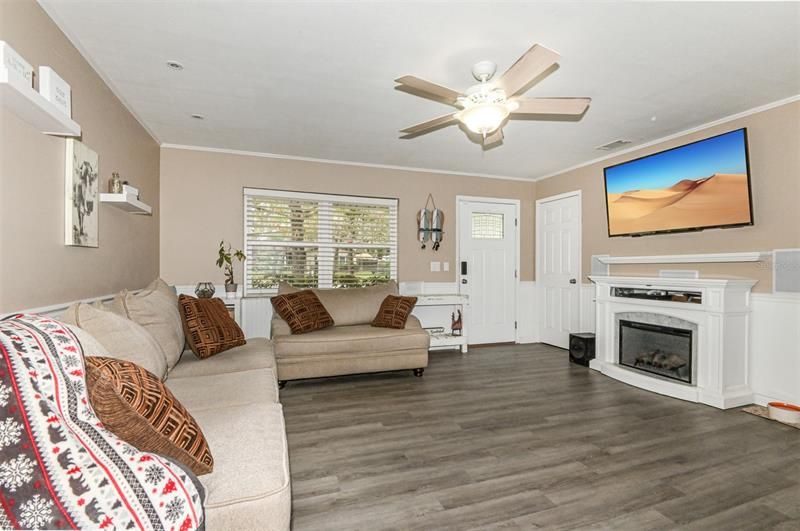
x=436, y=267
x=445, y=266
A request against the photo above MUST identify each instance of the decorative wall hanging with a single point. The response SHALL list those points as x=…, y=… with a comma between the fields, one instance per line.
x=429, y=224
x=81, y=195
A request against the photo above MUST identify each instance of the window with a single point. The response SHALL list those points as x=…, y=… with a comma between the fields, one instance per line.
x=317, y=240
x=487, y=226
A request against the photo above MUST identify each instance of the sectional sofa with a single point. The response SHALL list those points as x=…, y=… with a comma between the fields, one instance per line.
x=233, y=396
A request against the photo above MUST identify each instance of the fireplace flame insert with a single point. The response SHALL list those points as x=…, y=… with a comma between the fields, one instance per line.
x=656, y=349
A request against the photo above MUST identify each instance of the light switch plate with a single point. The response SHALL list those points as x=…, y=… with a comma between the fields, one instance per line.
x=436, y=267
x=445, y=266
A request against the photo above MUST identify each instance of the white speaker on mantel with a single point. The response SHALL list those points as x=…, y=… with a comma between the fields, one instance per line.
x=786, y=270
x=598, y=267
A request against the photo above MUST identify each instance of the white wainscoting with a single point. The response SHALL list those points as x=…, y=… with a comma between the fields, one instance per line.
x=588, y=308
x=774, y=333
x=775, y=347
x=527, y=313
x=256, y=316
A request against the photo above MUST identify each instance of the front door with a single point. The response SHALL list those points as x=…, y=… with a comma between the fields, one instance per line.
x=487, y=269
x=558, y=271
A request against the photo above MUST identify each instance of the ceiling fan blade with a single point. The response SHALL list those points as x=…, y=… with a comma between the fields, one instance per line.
x=426, y=89
x=522, y=74
x=430, y=125
x=572, y=106
x=493, y=138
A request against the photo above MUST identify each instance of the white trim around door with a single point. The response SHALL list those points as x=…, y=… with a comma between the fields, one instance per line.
x=540, y=287
x=460, y=201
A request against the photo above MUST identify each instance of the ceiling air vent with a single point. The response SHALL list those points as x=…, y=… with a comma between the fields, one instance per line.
x=611, y=146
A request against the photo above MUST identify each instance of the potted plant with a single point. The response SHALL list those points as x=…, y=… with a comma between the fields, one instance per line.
x=225, y=261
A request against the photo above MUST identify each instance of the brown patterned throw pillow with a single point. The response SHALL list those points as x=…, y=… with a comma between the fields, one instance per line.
x=208, y=326
x=394, y=312
x=302, y=311
x=139, y=409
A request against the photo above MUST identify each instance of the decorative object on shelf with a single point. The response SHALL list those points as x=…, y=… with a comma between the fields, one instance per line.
x=457, y=325
x=55, y=90
x=204, y=290
x=225, y=261
x=81, y=195
x=15, y=64
x=429, y=224
x=115, y=184
x=130, y=190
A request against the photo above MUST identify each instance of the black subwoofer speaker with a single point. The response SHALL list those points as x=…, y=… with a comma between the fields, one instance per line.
x=581, y=348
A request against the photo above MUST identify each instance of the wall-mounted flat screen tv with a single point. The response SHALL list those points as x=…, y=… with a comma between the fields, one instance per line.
x=702, y=185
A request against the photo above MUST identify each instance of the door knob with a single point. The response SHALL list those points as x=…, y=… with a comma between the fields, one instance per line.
x=573, y=281
x=463, y=280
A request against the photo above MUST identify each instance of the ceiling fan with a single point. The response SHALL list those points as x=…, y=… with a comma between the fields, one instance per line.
x=484, y=107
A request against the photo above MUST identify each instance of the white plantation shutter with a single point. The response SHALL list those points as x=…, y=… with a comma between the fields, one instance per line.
x=317, y=240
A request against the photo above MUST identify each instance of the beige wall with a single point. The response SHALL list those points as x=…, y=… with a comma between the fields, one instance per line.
x=36, y=268
x=774, y=141
x=201, y=194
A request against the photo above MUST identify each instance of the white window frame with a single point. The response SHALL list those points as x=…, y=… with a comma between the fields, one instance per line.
x=325, y=201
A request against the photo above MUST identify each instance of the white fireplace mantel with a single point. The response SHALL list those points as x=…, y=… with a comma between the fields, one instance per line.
x=721, y=377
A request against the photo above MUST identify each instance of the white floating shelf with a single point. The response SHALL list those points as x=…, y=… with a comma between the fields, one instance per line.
x=22, y=100
x=717, y=258
x=126, y=202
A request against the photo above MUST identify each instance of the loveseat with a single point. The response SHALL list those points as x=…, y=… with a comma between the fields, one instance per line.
x=352, y=345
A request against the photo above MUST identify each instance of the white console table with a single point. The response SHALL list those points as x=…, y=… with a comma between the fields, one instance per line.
x=453, y=301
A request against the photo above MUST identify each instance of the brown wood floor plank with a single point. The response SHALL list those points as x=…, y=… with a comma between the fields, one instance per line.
x=515, y=437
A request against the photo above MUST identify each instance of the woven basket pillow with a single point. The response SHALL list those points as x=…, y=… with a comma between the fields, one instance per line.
x=139, y=409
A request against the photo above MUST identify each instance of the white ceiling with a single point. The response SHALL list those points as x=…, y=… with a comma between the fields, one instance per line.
x=314, y=79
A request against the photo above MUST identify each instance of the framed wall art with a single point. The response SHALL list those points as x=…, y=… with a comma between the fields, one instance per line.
x=81, y=195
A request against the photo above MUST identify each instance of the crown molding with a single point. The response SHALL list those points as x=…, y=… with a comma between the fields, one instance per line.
x=695, y=129
x=339, y=162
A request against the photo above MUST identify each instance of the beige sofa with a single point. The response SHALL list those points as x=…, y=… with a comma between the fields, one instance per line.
x=351, y=346
x=234, y=397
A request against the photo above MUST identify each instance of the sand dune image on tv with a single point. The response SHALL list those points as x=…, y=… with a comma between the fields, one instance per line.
x=719, y=199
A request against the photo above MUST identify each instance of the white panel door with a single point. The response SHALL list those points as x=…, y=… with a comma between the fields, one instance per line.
x=488, y=251
x=559, y=263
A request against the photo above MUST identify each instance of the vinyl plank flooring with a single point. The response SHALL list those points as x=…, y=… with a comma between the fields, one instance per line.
x=515, y=437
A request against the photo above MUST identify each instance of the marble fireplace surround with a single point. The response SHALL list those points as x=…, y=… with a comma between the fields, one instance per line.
x=720, y=343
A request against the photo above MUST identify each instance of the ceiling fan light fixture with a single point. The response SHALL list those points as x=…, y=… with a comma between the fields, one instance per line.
x=484, y=118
